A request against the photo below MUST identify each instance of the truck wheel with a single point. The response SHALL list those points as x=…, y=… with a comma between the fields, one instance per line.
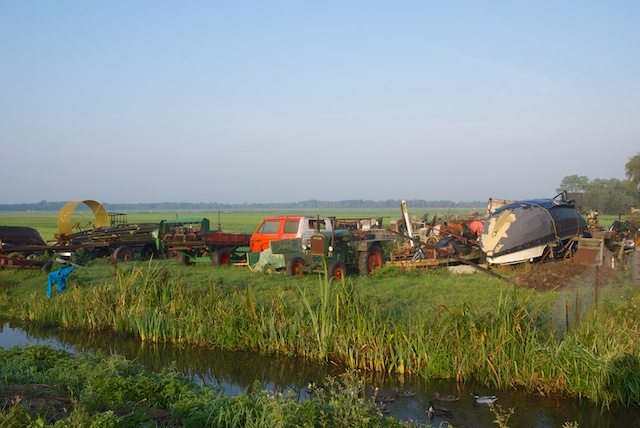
x=371, y=260
x=295, y=266
x=337, y=270
x=183, y=259
x=123, y=254
x=148, y=252
x=220, y=258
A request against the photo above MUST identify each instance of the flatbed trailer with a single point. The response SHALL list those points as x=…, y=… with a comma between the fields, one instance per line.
x=191, y=241
x=121, y=242
x=44, y=265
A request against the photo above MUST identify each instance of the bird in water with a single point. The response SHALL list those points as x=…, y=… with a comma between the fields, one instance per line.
x=437, y=411
x=484, y=399
x=446, y=397
x=405, y=393
x=383, y=398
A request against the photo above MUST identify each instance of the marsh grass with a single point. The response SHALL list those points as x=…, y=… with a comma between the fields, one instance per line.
x=114, y=392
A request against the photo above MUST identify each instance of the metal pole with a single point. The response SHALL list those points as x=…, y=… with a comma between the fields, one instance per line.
x=597, y=284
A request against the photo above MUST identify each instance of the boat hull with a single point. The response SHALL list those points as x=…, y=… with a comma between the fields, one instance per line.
x=524, y=230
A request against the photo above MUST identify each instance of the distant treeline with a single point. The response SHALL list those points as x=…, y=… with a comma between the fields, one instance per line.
x=209, y=206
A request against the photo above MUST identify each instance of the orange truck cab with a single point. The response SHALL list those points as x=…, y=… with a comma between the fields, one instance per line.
x=286, y=227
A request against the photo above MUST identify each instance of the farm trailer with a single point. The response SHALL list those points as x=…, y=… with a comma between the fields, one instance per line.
x=122, y=242
x=190, y=240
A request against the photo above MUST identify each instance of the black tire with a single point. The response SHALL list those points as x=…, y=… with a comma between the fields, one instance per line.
x=220, y=257
x=46, y=267
x=337, y=270
x=148, y=252
x=295, y=266
x=123, y=254
x=16, y=255
x=183, y=259
x=370, y=260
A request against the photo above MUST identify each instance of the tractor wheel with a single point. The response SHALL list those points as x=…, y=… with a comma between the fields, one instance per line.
x=337, y=270
x=371, y=260
x=220, y=258
x=16, y=255
x=295, y=266
x=183, y=259
x=148, y=252
x=123, y=254
x=46, y=267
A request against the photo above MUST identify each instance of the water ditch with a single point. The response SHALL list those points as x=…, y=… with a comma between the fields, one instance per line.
x=236, y=372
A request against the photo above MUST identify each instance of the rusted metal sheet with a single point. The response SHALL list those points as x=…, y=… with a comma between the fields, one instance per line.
x=586, y=256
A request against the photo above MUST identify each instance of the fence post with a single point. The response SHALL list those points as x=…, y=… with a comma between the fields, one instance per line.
x=575, y=321
x=597, y=284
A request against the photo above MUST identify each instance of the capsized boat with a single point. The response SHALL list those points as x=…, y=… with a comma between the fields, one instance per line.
x=524, y=230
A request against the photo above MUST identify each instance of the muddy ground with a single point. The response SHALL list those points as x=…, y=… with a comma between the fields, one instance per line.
x=560, y=274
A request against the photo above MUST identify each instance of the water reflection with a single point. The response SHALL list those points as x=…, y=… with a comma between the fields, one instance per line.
x=236, y=372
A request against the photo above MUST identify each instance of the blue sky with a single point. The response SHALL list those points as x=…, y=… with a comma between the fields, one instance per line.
x=284, y=101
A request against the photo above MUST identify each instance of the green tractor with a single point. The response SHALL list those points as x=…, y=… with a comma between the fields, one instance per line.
x=336, y=251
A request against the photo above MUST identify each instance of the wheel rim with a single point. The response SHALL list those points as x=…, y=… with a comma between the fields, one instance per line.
x=297, y=269
x=374, y=261
x=224, y=259
x=338, y=273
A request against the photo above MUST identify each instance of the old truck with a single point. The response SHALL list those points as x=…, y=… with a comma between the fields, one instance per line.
x=190, y=240
x=333, y=250
x=287, y=227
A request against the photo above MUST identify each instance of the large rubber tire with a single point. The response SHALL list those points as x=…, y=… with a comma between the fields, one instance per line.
x=337, y=270
x=16, y=255
x=370, y=260
x=295, y=266
x=123, y=254
x=183, y=259
x=148, y=252
x=46, y=267
x=220, y=257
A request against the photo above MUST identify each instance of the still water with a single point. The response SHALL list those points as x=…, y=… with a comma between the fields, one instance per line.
x=236, y=372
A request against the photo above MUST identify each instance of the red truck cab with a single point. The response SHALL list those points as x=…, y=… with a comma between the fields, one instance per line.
x=286, y=227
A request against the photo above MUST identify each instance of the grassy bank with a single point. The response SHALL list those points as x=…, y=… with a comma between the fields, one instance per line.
x=432, y=324
x=42, y=387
